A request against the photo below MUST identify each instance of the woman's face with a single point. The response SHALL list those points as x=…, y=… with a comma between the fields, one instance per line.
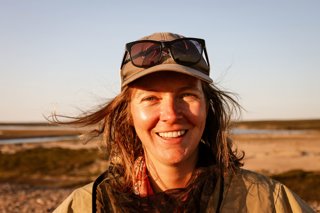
x=169, y=113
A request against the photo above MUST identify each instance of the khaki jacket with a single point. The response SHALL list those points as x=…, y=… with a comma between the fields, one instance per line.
x=244, y=191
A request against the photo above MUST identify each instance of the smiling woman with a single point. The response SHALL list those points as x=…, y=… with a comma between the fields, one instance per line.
x=166, y=138
x=169, y=119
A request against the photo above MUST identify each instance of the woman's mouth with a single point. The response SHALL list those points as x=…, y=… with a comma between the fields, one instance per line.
x=172, y=134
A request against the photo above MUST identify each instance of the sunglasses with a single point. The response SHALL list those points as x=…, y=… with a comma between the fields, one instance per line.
x=148, y=53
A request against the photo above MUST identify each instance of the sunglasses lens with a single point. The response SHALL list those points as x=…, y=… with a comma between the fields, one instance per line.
x=187, y=51
x=145, y=54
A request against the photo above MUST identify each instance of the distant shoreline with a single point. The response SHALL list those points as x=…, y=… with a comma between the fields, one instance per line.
x=41, y=129
x=311, y=124
x=273, y=123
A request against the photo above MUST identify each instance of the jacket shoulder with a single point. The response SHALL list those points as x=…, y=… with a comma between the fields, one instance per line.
x=253, y=178
x=249, y=191
x=80, y=200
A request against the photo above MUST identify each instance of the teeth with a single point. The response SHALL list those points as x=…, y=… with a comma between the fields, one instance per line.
x=173, y=134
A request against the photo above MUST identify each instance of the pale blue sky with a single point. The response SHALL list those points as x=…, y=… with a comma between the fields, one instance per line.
x=64, y=56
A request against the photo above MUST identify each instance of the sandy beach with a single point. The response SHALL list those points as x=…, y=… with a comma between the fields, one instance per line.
x=265, y=153
x=277, y=153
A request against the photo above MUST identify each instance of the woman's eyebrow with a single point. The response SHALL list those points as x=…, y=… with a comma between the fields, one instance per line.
x=190, y=87
x=140, y=92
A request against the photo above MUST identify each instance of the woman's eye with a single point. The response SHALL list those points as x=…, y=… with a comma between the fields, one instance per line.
x=149, y=98
x=188, y=95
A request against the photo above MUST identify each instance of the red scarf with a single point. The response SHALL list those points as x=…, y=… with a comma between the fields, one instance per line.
x=141, y=183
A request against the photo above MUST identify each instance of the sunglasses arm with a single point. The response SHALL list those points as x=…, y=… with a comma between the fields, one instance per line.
x=206, y=55
x=124, y=61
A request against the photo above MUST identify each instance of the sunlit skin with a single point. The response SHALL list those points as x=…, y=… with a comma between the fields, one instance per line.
x=169, y=112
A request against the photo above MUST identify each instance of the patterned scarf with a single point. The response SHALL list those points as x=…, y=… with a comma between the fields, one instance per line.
x=141, y=183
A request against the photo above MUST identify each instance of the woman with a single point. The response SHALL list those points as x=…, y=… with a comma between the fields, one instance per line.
x=165, y=136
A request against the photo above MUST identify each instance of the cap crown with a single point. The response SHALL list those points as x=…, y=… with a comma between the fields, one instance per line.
x=130, y=72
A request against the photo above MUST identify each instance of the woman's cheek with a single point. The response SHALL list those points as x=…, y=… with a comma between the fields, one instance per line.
x=196, y=111
x=145, y=117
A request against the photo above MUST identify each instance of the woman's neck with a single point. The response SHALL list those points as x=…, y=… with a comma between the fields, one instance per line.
x=164, y=177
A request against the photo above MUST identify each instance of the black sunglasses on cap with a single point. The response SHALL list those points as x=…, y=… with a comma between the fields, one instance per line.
x=148, y=53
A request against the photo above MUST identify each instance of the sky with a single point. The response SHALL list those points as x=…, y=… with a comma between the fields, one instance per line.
x=64, y=56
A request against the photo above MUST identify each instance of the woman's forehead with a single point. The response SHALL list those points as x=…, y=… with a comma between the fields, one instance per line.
x=166, y=80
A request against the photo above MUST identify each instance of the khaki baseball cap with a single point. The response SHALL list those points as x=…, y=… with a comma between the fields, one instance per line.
x=130, y=72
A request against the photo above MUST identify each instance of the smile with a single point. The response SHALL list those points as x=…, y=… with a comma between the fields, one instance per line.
x=173, y=134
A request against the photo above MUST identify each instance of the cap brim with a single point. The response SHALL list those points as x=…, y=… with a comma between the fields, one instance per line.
x=169, y=67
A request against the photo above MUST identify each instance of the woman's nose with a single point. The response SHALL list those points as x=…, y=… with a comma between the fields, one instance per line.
x=170, y=110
